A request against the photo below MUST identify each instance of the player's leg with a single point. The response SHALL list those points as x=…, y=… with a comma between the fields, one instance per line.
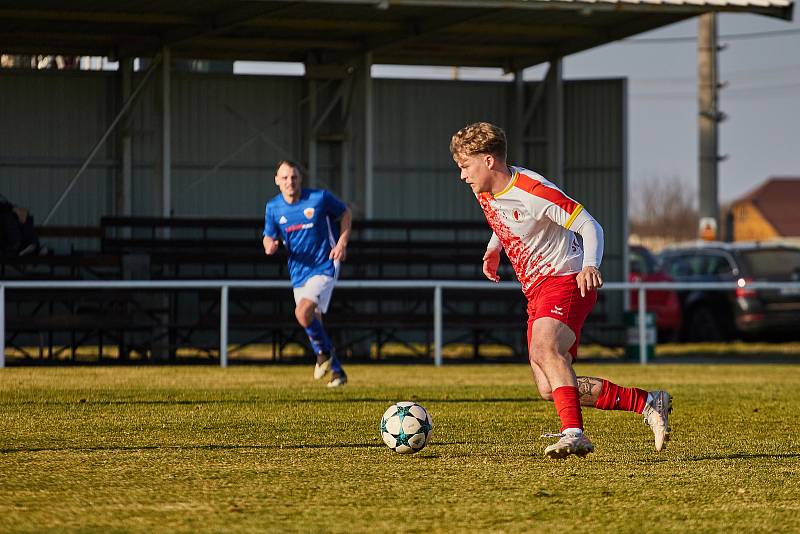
x=542, y=384
x=309, y=317
x=600, y=393
x=551, y=363
x=654, y=406
x=338, y=376
x=606, y=395
x=318, y=290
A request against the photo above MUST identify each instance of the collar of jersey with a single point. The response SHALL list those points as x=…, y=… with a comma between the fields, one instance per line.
x=510, y=184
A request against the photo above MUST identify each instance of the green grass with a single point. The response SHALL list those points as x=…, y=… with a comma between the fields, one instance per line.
x=255, y=449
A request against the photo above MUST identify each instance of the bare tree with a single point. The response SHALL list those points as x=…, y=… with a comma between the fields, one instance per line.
x=665, y=209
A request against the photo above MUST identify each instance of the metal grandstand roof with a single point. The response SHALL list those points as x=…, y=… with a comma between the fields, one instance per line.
x=504, y=33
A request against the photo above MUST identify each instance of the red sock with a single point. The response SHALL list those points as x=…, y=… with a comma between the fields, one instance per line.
x=568, y=406
x=614, y=397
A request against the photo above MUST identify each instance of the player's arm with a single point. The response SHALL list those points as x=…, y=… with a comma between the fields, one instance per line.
x=491, y=258
x=592, y=233
x=270, y=245
x=339, y=252
x=269, y=242
x=572, y=216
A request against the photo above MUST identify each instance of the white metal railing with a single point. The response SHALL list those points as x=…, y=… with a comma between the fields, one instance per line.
x=436, y=285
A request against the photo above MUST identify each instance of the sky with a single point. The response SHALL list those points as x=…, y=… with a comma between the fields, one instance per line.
x=760, y=137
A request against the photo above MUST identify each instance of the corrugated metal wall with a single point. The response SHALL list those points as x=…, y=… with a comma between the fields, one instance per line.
x=594, y=173
x=414, y=120
x=50, y=120
x=594, y=166
x=228, y=132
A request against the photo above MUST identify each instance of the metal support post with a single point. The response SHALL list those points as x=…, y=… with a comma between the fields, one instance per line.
x=364, y=132
x=642, y=330
x=555, y=122
x=223, y=327
x=2, y=326
x=166, y=134
x=517, y=124
x=125, y=182
x=437, y=326
x=312, y=168
x=709, y=116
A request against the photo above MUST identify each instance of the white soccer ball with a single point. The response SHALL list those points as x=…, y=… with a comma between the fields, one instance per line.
x=406, y=427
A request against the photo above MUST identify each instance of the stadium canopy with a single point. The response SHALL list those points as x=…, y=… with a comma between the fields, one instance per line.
x=511, y=34
x=340, y=40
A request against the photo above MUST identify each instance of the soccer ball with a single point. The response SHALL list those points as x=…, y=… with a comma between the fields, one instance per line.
x=406, y=427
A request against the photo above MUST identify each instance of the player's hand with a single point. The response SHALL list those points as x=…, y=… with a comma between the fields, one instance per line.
x=270, y=246
x=338, y=253
x=491, y=261
x=589, y=279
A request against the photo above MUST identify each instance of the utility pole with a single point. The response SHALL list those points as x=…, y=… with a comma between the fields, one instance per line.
x=708, y=118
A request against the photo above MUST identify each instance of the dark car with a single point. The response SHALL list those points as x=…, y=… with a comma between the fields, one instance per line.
x=745, y=312
x=663, y=302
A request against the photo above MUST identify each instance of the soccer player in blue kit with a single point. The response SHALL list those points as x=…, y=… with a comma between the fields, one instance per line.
x=303, y=220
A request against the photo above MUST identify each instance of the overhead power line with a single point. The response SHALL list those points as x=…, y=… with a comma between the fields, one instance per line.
x=733, y=92
x=729, y=37
x=771, y=73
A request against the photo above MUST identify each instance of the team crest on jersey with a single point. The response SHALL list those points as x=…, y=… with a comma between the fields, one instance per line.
x=517, y=215
x=282, y=220
x=309, y=213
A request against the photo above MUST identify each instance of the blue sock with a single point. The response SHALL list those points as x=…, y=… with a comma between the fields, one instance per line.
x=321, y=343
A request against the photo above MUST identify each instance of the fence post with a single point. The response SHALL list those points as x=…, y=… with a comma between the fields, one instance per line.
x=437, y=326
x=642, y=325
x=223, y=327
x=2, y=326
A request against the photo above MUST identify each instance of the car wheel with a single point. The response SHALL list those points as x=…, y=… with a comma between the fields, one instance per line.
x=704, y=325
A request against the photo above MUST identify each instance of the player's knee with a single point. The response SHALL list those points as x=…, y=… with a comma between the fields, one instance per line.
x=304, y=315
x=300, y=316
x=543, y=352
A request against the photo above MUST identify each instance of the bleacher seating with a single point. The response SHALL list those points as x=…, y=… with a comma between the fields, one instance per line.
x=158, y=323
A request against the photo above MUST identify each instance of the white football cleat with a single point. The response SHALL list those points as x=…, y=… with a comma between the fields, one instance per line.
x=339, y=379
x=322, y=366
x=570, y=443
x=656, y=415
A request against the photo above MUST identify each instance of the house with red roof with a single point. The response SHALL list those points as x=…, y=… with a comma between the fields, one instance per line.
x=772, y=211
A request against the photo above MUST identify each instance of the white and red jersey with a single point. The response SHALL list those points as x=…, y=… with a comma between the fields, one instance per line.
x=532, y=219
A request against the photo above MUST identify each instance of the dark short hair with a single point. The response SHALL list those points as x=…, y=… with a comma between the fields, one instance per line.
x=296, y=166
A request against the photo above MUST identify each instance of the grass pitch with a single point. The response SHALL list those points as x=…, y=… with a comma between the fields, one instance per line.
x=255, y=449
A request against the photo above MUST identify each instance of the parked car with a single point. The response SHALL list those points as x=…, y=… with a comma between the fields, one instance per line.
x=745, y=312
x=642, y=266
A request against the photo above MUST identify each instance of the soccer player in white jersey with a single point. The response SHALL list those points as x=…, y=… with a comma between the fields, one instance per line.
x=538, y=227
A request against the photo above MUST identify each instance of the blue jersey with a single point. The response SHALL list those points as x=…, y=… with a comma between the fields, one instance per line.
x=307, y=230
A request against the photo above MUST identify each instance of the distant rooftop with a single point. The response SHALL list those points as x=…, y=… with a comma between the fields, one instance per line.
x=778, y=200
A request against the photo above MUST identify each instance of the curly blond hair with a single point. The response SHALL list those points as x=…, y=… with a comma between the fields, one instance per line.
x=479, y=138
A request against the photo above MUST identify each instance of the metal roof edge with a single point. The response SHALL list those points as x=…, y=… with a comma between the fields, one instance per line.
x=782, y=9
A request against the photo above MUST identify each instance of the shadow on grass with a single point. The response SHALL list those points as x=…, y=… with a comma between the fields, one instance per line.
x=212, y=447
x=167, y=402
x=742, y=456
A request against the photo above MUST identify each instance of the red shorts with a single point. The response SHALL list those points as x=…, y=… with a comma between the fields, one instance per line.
x=559, y=297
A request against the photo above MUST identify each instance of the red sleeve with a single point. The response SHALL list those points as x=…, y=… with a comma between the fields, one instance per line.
x=550, y=194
